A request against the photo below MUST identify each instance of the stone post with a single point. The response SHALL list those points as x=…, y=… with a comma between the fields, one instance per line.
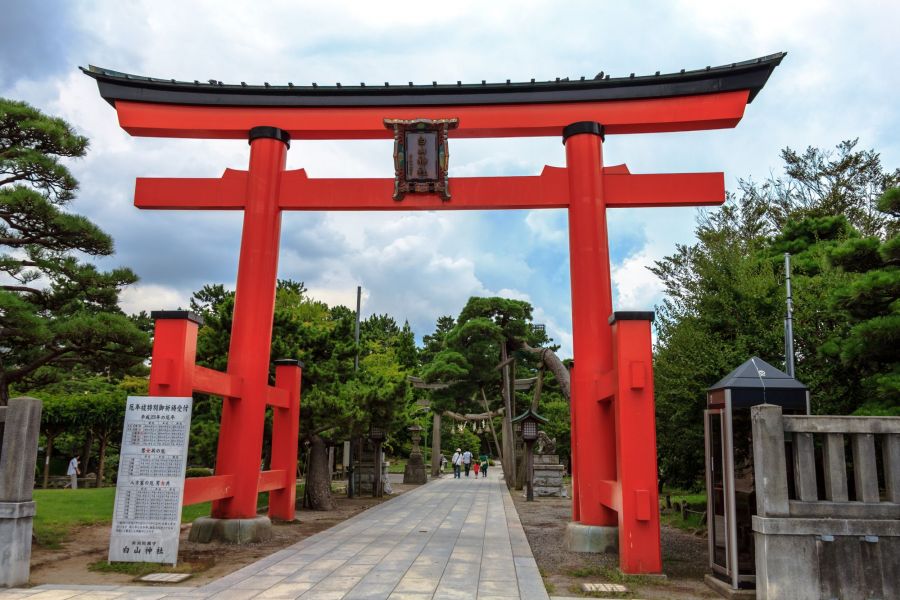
x=22, y=420
x=769, y=462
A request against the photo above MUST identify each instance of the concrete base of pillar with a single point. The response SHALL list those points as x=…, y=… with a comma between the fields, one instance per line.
x=592, y=538
x=15, y=542
x=231, y=531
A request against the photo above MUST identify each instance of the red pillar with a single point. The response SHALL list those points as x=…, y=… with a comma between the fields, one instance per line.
x=285, y=437
x=593, y=428
x=639, y=544
x=174, y=353
x=241, y=433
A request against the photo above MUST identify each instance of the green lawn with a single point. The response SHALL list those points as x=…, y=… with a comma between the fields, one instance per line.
x=59, y=512
x=695, y=502
x=398, y=465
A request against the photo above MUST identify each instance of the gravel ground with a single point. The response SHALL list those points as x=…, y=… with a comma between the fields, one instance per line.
x=685, y=556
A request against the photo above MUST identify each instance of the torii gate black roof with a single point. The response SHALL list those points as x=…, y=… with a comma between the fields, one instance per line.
x=746, y=75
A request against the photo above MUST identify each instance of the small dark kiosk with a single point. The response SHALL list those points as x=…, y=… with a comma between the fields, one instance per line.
x=730, y=495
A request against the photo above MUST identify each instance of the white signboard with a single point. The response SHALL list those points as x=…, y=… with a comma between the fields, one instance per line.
x=150, y=488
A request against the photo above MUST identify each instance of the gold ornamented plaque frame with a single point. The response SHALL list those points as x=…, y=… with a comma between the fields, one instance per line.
x=421, y=156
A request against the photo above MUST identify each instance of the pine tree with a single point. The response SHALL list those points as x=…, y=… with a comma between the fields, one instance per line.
x=55, y=309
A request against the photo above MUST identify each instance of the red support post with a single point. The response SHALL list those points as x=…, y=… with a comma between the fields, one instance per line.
x=593, y=429
x=285, y=438
x=241, y=432
x=639, y=544
x=174, y=353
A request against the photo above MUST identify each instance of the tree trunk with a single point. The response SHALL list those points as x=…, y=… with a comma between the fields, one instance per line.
x=101, y=461
x=86, y=450
x=318, y=479
x=47, y=460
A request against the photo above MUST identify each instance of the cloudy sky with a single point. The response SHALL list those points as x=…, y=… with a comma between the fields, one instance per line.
x=839, y=81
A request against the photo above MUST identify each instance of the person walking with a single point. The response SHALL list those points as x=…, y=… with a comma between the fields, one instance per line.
x=73, y=472
x=484, y=464
x=457, y=462
x=475, y=467
x=467, y=461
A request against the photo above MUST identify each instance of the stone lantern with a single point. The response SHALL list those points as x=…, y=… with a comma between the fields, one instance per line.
x=528, y=421
x=415, y=468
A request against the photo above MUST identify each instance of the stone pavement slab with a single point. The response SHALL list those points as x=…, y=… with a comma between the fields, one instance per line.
x=451, y=539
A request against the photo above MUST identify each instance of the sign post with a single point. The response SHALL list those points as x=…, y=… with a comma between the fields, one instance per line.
x=150, y=487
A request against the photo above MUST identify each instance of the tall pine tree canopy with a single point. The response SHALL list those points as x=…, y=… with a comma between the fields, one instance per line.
x=56, y=310
x=725, y=296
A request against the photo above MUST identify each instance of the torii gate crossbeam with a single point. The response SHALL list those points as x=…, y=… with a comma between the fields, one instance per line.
x=613, y=423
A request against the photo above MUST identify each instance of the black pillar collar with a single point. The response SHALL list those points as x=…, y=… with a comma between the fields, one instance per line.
x=264, y=131
x=583, y=127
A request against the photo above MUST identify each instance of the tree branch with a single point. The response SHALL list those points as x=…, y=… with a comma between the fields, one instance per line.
x=21, y=288
x=552, y=362
x=36, y=364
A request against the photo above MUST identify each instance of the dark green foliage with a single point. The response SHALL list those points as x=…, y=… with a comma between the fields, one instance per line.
x=467, y=351
x=55, y=309
x=870, y=296
x=726, y=302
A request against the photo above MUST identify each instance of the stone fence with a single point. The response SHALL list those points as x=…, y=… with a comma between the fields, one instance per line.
x=20, y=424
x=818, y=533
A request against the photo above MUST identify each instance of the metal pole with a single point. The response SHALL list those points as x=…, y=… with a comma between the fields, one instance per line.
x=356, y=335
x=350, y=482
x=788, y=320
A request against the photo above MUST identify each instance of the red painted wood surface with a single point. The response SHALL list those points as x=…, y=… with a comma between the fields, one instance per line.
x=216, y=382
x=652, y=115
x=285, y=440
x=206, y=489
x=593, y=429
x=271, y=480
x=550, y=189
x=635, y=423
x=241, y=431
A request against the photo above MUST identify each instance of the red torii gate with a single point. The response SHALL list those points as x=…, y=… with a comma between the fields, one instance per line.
x=613, y=422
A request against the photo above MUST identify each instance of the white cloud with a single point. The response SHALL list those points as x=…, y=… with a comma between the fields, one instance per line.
x=148, y=298
x=636, y=287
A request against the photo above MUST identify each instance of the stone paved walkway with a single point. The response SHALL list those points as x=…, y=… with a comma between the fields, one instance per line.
x=452, y=539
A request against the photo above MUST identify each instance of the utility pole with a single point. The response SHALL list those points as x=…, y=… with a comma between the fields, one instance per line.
x=356, y=335
x=350, y=486
x=788, y=319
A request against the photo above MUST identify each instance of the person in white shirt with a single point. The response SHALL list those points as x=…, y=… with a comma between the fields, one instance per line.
x=73, y=472
x=457, y=462
x=467, y=461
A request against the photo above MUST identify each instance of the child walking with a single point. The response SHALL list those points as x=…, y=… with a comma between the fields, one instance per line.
x=475, y=466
